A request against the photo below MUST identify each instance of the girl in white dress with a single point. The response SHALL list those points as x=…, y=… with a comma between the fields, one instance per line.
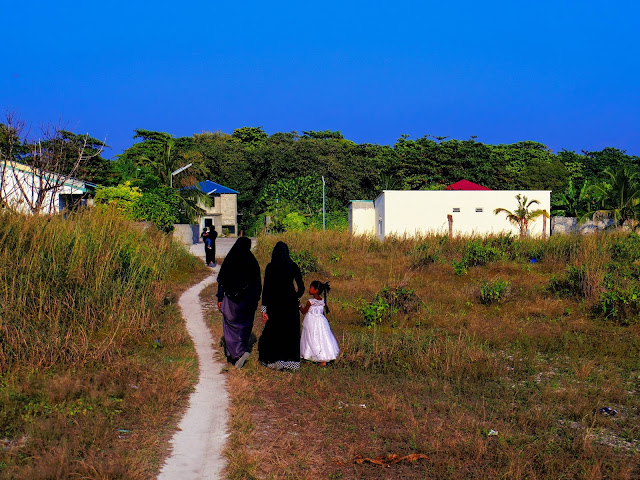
x=317, y=343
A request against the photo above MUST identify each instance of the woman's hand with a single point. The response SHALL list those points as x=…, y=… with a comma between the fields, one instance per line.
x=220, y=306
x=265, y=317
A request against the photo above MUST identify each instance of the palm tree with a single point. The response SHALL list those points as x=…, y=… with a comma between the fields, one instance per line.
x=522, y=215
x=618, y=198
x=164, y=158
x=574, y=201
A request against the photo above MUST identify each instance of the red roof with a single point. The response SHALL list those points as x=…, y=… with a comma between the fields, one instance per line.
x=466, y=185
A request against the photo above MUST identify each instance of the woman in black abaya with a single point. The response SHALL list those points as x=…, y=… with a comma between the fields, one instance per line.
x=239, y=288
x=279, y=345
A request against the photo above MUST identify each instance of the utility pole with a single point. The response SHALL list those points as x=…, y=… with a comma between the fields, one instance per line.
x=323, y=209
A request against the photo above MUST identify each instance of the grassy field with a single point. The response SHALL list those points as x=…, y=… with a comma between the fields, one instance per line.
x=95, y=363
x=460, y=358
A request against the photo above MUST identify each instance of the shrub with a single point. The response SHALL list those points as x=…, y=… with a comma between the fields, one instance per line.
x=423, y=255
x=477, y=254
x=388, y=302
x=294, y=222
x=626, y=248
x=620, y=303
x=571, y=284
x=494, y=292
x=307, y=261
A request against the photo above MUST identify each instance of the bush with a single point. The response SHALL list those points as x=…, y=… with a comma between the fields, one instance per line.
x=388, y=302
x=620, y=302
x=571, y=284
x=477, y=254
x=294, y=222
x=626, y=248
x=307, y=261
x=494, y=292
x=423, y=255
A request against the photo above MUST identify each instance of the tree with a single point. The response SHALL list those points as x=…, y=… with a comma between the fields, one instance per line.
x=523, y=214
x=34, y=172
x=618, y=198
x=158, y=155
x=574, y=201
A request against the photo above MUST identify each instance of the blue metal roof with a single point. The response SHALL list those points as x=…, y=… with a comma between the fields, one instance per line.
x=210, y=187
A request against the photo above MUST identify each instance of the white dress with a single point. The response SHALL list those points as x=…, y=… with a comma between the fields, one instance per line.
x=317, y=343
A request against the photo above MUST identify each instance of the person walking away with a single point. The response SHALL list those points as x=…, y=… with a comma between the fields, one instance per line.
x=317, y=342
x=279, y=344
x=239, y=288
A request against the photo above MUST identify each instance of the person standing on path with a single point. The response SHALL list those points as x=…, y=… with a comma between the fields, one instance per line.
x=239, y=288
x=279, y=344
x=209, y=238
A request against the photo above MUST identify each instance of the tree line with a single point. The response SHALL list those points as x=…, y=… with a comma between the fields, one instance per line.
x=280, y=175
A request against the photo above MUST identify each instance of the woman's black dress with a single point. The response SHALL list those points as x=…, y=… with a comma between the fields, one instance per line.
x=280, y=339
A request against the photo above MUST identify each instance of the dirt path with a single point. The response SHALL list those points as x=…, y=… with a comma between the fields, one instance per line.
x=197, y=446
x=196, y=451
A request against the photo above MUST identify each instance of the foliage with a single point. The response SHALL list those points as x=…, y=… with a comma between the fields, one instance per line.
x=576, y=201
x=619, y=196
x=122, y=197
x=160, y=206
x=387, y=303
x=294, y=222
x=523, y=214
x=494, y=291
x=621, y=303
x=306, y=260
x=478, y=253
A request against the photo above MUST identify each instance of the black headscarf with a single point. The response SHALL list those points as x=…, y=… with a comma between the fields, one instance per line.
x=281, y=258
x=240, y=268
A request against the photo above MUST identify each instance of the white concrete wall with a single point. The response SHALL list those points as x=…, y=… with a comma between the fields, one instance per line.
x=362, y=217
x=422, y=212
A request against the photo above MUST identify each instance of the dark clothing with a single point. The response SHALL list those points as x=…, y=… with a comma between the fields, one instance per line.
x=209, y=240
x=237, y=319
x=209, y=250
x=239, y=288
x=280, y=339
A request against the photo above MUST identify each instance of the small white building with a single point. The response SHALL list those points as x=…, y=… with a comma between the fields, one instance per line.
x=223, y=212
x=26, y=190
x=466, y=212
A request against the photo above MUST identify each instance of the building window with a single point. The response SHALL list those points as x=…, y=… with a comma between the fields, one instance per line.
x=456, y=209
x=478, y=210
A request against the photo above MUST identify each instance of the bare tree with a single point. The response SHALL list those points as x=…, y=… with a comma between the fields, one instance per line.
x=34, y=173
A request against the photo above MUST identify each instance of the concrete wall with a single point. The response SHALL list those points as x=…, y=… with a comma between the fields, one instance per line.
x=362, y=217
x=568, y=225
x=410, y=212
x=186, y=234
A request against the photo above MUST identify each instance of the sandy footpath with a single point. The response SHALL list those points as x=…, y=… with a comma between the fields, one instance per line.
x=197, y=446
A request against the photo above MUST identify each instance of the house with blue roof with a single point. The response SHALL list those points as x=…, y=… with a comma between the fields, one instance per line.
x=223, y=212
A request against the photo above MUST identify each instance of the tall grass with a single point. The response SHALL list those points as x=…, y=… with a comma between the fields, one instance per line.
x=75, y=290
x=94, y=358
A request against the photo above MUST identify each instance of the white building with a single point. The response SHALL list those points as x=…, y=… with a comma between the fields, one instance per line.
x=28, y=191
x=466, y=212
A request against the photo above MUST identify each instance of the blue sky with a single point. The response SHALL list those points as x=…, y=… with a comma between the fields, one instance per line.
x=563, y=73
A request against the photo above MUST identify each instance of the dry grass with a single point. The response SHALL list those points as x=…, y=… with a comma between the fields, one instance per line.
x=96, y=364
x=535, y=368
